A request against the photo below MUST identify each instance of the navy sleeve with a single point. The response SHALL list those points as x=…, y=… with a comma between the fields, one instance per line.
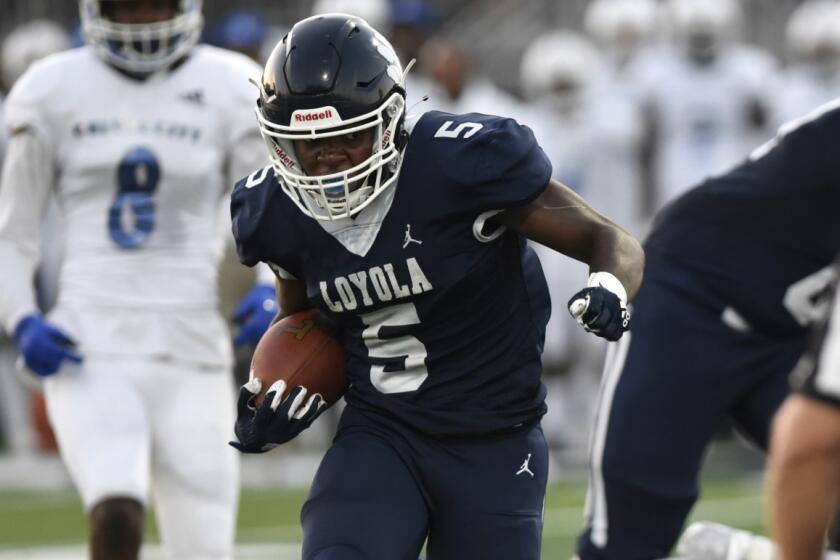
x=809, y=143
x=496, y=162
x=248, y=205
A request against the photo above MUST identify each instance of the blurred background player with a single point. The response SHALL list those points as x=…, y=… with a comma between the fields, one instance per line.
x=706, y=96
x=622, y=29
x=460, y=88
x=812, y=43
x=138, y=148
x=24, y=45
x=413, y=23
x=804, y=467
x=720, y=321
x=241, y=31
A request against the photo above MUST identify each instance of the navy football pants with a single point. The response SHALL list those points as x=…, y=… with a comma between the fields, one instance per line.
x=382, y=489
x=665, y=390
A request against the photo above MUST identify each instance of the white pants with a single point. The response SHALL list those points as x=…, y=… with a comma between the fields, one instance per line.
x=128, y=427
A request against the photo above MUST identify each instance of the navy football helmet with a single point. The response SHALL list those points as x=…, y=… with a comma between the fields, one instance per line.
x=332, y=75
x=141, y=48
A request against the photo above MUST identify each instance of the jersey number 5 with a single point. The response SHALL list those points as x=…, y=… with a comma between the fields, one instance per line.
x=398, y=360
x=468, y=128
x=132, y=215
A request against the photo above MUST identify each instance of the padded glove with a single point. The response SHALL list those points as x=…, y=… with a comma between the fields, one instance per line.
x=276, y=420
x=43, y=346
x=601, y=308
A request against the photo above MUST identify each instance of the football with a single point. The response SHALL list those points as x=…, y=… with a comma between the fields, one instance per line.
x=301, y=351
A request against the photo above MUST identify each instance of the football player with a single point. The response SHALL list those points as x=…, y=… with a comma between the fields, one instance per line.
x=804, y=467
x=706, y=96
x=409, y=236
x=621, y=28
x=736, y=270
x=136, y=134
x=24, y=45
x=812, y=39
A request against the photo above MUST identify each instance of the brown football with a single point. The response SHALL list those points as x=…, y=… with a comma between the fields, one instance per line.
x=300, y=351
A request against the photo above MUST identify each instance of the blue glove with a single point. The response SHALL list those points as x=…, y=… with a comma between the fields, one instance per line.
x=277, y=419
x=254, y=314
x=44, y=346
x=601, y=312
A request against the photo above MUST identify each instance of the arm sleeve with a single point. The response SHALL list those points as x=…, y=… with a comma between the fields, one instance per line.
x=808, y=144
x=25, y=185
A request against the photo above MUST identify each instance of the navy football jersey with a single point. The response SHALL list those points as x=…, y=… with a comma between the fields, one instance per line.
x=441, y=318
x=765, y=234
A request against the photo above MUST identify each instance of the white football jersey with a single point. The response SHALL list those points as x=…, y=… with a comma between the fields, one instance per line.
x=140, y=171
x=800, y=90
x=596, y=150
x=703, y=113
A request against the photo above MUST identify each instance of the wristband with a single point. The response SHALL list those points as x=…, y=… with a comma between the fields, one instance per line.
x=610, y=283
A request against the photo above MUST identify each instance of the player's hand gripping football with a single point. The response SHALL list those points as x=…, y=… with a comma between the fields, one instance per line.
x=601, y=308
x=277, y=419
x=43, y=346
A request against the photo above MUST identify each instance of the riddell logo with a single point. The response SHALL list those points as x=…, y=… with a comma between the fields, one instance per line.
x=283, y=156
x=309, y=117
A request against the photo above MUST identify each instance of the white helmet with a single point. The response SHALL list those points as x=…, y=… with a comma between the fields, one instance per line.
x=29, y=42
x=141, y=48
x=813, y=31
x=703, y=25
x=558, y=67
x=622, y=26
x=376, y=12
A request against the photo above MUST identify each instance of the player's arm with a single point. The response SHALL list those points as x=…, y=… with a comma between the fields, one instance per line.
x=563, y=221
x=804, y=475
x=25, y=184
x=291, y=297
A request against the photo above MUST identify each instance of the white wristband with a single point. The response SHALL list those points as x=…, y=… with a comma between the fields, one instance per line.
x=608, y=282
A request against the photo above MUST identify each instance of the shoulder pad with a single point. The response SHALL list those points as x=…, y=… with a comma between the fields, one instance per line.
x=813, y=132
x=27, y=105
x=248, y=205
x=474, y=148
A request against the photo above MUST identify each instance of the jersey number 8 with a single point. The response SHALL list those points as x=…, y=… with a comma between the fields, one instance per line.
x=132, y=215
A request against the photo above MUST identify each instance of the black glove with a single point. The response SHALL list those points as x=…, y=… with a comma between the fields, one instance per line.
x=601, y=312
x=277, y=419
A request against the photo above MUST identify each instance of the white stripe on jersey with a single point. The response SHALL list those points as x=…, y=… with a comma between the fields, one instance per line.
x=596, y=499
x=827, y=379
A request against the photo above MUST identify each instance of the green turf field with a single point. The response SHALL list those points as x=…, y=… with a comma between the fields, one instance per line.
x=30, y=520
